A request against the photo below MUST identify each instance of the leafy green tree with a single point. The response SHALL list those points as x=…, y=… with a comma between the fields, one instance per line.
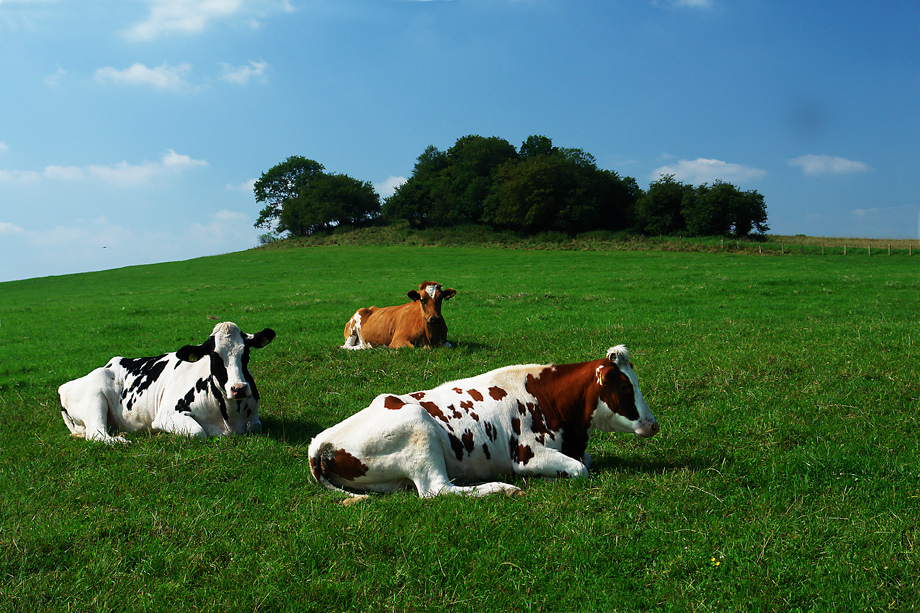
x=722, y=209
x=302, y=199
x=558, y=189
x=449, y=188
x=660, y=209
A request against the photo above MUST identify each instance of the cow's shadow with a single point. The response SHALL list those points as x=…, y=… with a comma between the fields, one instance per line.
x=633, y=464
x=290, y=431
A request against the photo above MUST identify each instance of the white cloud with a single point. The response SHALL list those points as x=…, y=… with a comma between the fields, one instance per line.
x=702, y=170
x=19, y=176
x=121, y=174
x=8, y=228
x=245, y=186
x=3, y=147
x=242, y=75
x=183, y=16
x=388, y=187
x=54, y=79
x=697, y=4
x=826, y=164
x=161, y=77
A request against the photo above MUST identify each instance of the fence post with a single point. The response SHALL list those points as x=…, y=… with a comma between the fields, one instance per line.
x=869, y=249
x=822, y=248
x=782, y=248
x=889, y=248
x=844, y=249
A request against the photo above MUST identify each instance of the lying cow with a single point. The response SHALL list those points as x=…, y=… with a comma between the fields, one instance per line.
x=528, y=420
x=414, y=324
x=200, y=390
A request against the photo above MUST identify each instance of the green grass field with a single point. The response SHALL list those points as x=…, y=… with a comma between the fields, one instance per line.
x=785, y=478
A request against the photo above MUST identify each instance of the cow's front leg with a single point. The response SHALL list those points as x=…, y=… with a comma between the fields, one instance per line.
x=177, y=423
x=552, y=464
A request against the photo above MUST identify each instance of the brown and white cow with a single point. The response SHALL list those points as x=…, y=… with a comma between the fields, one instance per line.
x=415, y=324
x=528, y=420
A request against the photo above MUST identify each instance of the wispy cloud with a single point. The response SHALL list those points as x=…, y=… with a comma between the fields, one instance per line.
x=242, y=75
x=3, y=147
x=162, y=77
x=827, y=165
x=245, y=187
x=121, y=174
x=702, y=170
x=182, y=16
x=697, y=4
x=388, y=186
x=8, y=228
x=194, y=16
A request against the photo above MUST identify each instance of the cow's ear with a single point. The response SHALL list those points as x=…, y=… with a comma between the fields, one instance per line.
x=449, y=293
x=259, y=340
x=413, y=296
x=191, y=353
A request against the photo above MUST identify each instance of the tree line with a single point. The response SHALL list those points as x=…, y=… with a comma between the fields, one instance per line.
x=486, y=180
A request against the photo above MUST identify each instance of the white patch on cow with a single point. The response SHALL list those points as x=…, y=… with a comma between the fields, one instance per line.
x=432, y=290
x=355, y=341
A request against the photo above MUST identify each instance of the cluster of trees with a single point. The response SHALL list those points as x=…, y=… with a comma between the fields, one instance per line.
x=485, y=180
x=301, y=199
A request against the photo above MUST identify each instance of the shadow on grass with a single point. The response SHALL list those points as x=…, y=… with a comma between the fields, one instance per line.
x=290, y=431
x=635, y=464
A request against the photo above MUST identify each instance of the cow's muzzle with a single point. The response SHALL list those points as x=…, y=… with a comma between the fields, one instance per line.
x=239, y=391
x=648, y=429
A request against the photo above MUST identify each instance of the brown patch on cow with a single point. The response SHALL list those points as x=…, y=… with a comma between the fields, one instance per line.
x=497, y=393
x=434, y=410
x=474, y=416
x=520, y=454
x=485, y=450
x=566, y=397
x=467, y=404
x=521, y=408
x=418, y=395
x=475, y=395
x=393, y=403
x=458, y=390
x=516, y=425
x=344, y=465
x=491, y=432
x=454, y=413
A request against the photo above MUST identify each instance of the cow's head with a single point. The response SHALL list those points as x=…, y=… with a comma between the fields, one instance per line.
x=228, y=350
x=620, y=404
x=429, y=296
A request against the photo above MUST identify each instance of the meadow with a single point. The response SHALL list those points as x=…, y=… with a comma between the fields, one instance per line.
x=785, y=476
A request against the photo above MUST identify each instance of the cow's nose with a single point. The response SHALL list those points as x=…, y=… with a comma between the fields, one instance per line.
x=647, y=430
x=239, y=390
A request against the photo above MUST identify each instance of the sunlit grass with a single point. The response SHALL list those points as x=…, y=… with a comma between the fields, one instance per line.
x=784, y=478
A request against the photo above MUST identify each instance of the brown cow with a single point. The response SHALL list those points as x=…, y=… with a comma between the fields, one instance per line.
x=414, y=324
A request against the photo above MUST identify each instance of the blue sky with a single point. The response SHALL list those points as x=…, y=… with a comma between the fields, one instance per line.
x=131, y=131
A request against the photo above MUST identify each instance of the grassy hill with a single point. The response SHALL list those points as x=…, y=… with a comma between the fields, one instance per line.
x=785, y=476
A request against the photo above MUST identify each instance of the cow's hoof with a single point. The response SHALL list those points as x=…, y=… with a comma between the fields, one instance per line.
x=516, y=493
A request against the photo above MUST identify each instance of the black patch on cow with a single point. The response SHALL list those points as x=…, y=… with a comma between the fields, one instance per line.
x=185, y=403
x=485, y=450
x=457, y=445
x=516, y=425
x=468, y=442
x=144, y=372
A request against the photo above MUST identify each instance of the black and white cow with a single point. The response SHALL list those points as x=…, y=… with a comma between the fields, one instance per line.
x=200, y=390
x=532, y=420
